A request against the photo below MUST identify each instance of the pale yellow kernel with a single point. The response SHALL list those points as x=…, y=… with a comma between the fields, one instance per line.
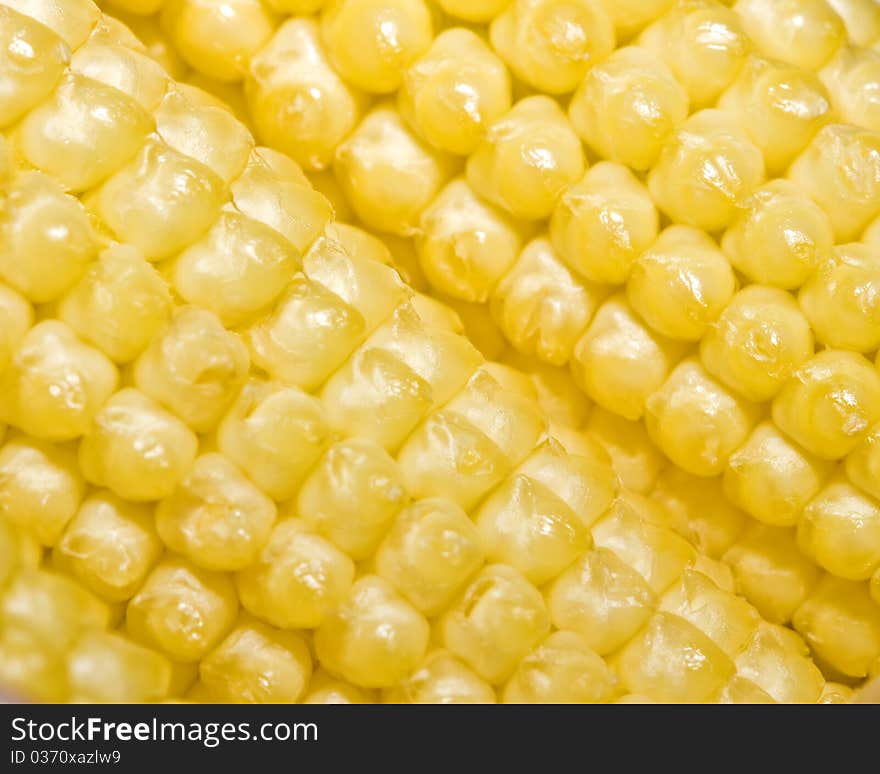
x=106, y=668
x=562, y=401
x=757, y=342
x=352, y=496
x=256, y=664
x=375, y=638
x=298, y=103
x=780, y=106
x=681, y=284
x=216, y=517
x=836, y=693
x=840, y=171
x=32, y=59
x=46, y=238
x=372, y=42
x=636, y=461
x=620, y=362
x=429, y=553
x=441, y=679
x=861, y=17
x=562, y=669
x=31, y=670
x=672, y=661
x=551, y=44
x=603, y=222
x=109, y=546
x=704, y=45
x=698, y=510
x=829, y=403
x=464, y=244
x=842, y=299
x=804, y=33
x=851, y=77
x=155, y=43
x=161, y=201
x=629, y=16
x=840, y=530
x=740, y=690
x=706, y=170
x=498, y=620
x=863, y=463
x=297, y=580
x=542, y=307
x=16, y=318
x=627, y=106
x=772, y=478
x=72, y=20
x=779, y=237
x=181, y=610
x=194, y=368
x=120, y=303
x=326, y=689
x=697, y=422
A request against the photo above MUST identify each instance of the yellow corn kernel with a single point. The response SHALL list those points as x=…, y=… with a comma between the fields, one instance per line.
x=772, y=478
x=627, y=106
x=83, y=132
x=107, y=668
x=836, y=693
x=681, y=284
x=352, y=496
x=498, y=620
x=55, y=384
x=780, y=106
x=32, y=59
x=619, y=362
x=551, y=44
x=527, y=158
x=739, y=690
x=236, y=270
x=861, y=17
x=430, y=552
x=629, y=16
x=441, y=679
x=375, y=638
x=472, y=444
x=326, y=689
x=842, y=299
x=18, y=549
x=771, y=572
x=194, y=368
x=46, y=239
x=698, y=511
x=388, y=175
x=851, y=77
x=841, y=624
x=72, y=21
x=452, y=93
x=274, y=190
x=541, y=307
x=28, y=668
x=602, y=598
x=120, y=303
x=298, y=104
x=559, y=397
x=372, y=42
x=706, y=170
x=40, y=487
x=257, y=665
x=464, y=244
x=829, y=403
x=182, y=610
x=636, y=461
x=863, y=463
x=757, y=342
x=217, y=39
x=840, y=171
x=779, y=237
x=840, y=530
x=109, y=546
x=275, y=434
x=804, y=33
x=696, y=422
x=155, y=43
x=562, y=669
x=202, y=127
x=297, y=580
x=479, y=11
x=216, y=517
x=161, y=201
x=672, y=661
x=704, y=45
x=603, y=222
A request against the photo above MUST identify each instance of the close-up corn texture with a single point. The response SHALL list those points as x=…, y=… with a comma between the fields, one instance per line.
x=399, y=351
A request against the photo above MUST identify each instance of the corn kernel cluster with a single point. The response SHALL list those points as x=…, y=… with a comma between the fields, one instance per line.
x=246, y=462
